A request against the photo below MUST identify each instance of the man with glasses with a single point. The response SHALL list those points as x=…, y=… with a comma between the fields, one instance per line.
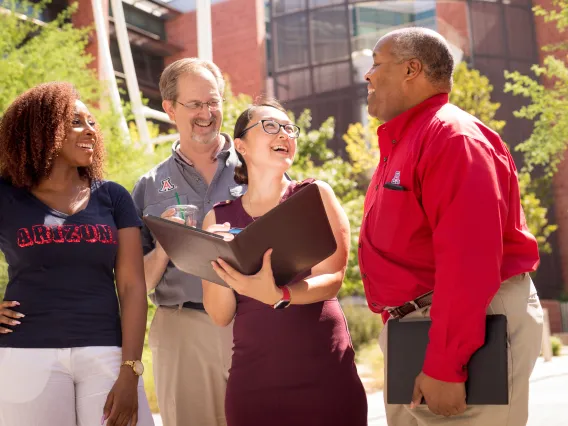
x=191, y=356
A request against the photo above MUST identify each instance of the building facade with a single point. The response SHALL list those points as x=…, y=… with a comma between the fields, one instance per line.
x=320, y=50
x=314, y=53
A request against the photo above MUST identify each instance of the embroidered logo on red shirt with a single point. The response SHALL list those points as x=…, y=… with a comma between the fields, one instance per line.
x=167, y=185
x=396, y=178
x=42, y=234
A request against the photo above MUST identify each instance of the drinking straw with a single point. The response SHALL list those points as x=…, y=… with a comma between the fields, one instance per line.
x=179, y=204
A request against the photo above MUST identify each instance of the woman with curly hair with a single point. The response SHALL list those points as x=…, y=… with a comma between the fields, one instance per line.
x=69, y=351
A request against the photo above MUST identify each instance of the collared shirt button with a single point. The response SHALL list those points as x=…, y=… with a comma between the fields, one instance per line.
x=376, y=187
x=364, y=276
x=374, y=304
x=393, y=141
x=385, y=159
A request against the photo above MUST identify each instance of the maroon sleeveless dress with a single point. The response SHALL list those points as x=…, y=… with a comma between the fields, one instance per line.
x=292, y=366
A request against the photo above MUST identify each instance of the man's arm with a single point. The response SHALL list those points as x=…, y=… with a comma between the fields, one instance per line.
x=465, y=195
x=155, y=263
x=155, y=258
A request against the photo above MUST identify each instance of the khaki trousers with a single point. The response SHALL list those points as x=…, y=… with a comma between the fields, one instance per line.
x=191, y=358
x=518, y=300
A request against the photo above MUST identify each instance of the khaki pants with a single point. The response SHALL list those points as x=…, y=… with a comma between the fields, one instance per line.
x=191, y=359
x=517, y=299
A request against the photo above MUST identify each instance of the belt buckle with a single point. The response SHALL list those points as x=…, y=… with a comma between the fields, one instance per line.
x=393, y=312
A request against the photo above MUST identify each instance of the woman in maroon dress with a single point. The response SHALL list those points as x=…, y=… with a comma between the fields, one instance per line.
x=292, y=366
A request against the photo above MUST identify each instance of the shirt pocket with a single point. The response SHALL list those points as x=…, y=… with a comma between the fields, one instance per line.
x=391, y=212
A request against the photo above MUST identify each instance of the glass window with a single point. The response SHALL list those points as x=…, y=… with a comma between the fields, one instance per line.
x=291, y=41
x=145, y=21
x=293, y=85
x=372, y=20
x=330, y=34
x=115, y=56
x=280, y=7
x=331, y=77
x=519, y=33
x=487, y=28
x=317, y=3
x=148, y=66
x=527, y=3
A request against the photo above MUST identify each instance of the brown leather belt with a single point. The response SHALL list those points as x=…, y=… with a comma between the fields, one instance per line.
x=418, y=303
x=189, y=305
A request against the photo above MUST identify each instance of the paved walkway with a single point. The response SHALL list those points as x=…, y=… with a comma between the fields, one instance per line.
x=548, y=398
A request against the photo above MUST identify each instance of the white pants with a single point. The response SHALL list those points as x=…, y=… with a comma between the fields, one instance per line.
x=60, y=387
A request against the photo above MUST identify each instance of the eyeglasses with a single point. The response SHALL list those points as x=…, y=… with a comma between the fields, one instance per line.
x=213, y=105
x=273, y=128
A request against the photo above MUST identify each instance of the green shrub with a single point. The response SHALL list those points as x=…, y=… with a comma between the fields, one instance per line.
x=556, y=344
x=3, y=275
x=364, y=325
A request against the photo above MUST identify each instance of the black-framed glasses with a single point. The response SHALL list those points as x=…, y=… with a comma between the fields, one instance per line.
x=213, y=105
x=273, y=128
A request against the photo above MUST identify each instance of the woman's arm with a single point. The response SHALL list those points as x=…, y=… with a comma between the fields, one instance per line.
x=326, y=278
x=220, y=302
x=131, y=286
x=121, y=404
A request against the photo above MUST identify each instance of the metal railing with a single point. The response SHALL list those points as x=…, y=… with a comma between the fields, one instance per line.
x=141, y=112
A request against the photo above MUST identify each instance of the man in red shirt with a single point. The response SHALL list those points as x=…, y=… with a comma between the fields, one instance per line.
x=443, y=213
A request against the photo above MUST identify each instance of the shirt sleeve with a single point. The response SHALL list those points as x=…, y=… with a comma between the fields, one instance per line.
x=125, y=215
x=465, y=187
x=138, y=197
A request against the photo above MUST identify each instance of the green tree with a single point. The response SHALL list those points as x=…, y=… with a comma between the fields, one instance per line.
x=548, y=106
x=32, y=53
x=24, y=64
x=472, y=93
x=548, y=109
x=3, y=275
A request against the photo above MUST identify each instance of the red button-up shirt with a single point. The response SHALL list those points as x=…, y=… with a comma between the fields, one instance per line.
x=448, y=220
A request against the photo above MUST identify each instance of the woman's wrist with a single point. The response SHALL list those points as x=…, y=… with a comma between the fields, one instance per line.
x=278, y=295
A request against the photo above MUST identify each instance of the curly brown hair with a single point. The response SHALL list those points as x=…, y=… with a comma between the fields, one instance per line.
x=32, y=131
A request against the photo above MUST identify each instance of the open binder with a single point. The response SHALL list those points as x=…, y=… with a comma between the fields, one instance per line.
x=487, y=383
x=297, y=230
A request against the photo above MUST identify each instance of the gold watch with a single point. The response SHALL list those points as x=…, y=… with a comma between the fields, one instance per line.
x=136, y=366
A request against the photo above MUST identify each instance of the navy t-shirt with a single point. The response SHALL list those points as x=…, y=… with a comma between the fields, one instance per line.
x=61, y=267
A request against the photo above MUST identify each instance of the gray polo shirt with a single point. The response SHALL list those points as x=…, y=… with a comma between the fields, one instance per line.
x=156, y=191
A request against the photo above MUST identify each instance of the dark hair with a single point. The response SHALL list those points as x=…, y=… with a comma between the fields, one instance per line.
x=32, y=132
x=241, y=173
x=430, y=48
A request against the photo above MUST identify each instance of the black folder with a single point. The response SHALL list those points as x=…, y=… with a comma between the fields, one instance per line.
x=297, y=230
x=487, y=382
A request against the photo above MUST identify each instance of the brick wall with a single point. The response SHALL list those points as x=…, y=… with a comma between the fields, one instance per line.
x=554, y=315
x=546, y=33
x=83, y=18
x=451, y=18
x=238, y=42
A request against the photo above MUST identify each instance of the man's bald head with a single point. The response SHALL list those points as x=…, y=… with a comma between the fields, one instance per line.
x=428, y=47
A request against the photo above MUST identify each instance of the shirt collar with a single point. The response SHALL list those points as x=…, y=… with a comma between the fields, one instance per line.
x=396, y=127
x=222, y=154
